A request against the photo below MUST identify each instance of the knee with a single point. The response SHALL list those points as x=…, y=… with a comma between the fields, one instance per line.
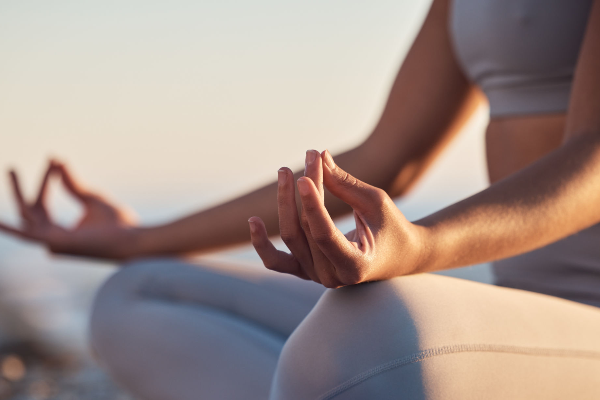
x=114, y=302
x=350, y=331
x=354, y=335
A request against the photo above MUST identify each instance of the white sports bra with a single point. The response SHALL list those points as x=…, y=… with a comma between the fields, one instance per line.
x=522, y=53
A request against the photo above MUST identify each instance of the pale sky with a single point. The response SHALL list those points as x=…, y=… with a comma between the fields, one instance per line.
x=173, y=105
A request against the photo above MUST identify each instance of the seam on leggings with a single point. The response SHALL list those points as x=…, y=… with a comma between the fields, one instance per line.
x=459, y=348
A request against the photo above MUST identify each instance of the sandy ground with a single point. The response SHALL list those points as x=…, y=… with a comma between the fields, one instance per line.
x=44, y=312
x=30, y=374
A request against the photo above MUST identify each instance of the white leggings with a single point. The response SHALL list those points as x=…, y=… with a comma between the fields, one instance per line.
x=170, y=330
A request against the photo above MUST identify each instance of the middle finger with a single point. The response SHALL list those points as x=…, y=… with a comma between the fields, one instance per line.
x=289, y=224
x=313, y=169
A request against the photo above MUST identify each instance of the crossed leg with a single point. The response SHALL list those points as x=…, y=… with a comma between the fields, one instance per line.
x=165, y=329
x=170, y=330
x=434, y=337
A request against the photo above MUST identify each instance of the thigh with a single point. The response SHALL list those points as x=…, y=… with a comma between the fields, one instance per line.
x=166, y=329
x=435, y=337
x=274, y=301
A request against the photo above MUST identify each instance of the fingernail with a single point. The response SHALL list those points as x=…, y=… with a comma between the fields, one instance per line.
x=281, y=176
x=302, y=187
x=252, y=226
x=311, y=155
x=328, y=160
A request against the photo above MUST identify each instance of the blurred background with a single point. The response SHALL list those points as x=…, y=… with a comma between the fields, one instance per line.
x=170, y=107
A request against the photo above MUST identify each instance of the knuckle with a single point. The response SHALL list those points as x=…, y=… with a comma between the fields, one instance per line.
x=258, y=244
x=322, y=239
x=348, y=180
x=328, y=283
x=379, y=196
x=353, y=276
x=304, y=224
x=270, y=264
x=309, y=207
x=331, y=282
x=288, y=237
x=282, y=199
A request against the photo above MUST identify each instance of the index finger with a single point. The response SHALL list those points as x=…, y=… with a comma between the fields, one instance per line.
x=44, y=185
x=14, y=179
x=330, y=240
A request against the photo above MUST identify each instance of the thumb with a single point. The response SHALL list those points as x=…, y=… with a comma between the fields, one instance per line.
x=72, y=185
x=361, y=196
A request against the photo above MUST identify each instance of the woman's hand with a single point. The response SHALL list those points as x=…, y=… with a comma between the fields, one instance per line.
x=383, y=245
x=104, y=231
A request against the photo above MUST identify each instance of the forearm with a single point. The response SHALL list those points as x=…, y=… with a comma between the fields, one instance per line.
x=553, y=198
x=226, y=224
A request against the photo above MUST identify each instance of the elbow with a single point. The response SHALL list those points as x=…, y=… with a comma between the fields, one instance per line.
x=405, y=178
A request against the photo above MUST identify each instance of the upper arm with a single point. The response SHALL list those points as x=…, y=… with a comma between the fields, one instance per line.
x=429, y=98
x=584, y=109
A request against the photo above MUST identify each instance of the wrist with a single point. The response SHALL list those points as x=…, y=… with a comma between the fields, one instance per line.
x=426, y=249
x=142, y=242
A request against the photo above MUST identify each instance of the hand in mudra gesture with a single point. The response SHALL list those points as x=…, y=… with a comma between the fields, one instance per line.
x=105, y=230
x=383, y=245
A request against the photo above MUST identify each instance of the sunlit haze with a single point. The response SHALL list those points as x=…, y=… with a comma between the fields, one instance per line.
x=171, y=106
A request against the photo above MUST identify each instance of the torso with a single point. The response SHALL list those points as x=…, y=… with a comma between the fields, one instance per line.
x=523, y=54
x=514, y=143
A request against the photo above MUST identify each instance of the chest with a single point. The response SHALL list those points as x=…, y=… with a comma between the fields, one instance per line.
x=504, y=39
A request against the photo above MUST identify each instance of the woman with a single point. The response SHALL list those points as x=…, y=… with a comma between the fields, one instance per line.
x=170, y=330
